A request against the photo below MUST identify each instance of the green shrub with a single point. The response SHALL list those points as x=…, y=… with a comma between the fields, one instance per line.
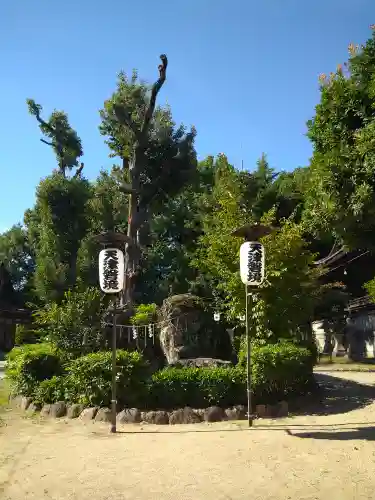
x=197, y=387
x=30, y=364
x=89, y=379
x=74, y=325
x=25, y=335
x=51, y=390
x=277, y=371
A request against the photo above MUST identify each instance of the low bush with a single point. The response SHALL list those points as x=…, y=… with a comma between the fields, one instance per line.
x=30, y=364
x=277, y=371
x=89, y=379
x=197, y=387
x=52, y=390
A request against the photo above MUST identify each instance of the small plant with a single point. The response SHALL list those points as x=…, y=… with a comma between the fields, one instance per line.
x=144, y=314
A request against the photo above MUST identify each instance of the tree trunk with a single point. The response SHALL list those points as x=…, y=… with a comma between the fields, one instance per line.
x=136, y=166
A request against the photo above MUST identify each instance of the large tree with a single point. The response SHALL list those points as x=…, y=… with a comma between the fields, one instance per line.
x=288, y=296
x=56, y=226
x=18, y=258
x=157, y=159
x=340, y=195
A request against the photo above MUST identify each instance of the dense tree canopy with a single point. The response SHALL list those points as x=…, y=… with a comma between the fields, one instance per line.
x=186, y=210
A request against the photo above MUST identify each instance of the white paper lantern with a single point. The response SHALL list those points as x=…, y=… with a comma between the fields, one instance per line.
x=216, y=316
x=111, y=270
x=252, y=263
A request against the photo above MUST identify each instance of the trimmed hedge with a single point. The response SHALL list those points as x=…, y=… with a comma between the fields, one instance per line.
x=196, y=387
x=28, y=365
x=278, y=371
x=89, y=379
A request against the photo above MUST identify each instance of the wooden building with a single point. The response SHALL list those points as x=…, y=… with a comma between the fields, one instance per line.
x=354, y=334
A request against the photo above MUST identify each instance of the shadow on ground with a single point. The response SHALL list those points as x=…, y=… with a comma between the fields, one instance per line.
x=361, y=433
x=335, y=396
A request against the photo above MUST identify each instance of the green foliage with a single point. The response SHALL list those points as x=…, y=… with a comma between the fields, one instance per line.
x=64, y=140
x=25, y=335
x=370, y=288
x=287, y=298
x=170, y=158
x=278, y=371
x=144, y=314
x=18, y=258
x=197, y=387
x=75, y=325
x=52, y=390
x=56, y=227
x=28, y=365
x=340, y=193
x=89, y=379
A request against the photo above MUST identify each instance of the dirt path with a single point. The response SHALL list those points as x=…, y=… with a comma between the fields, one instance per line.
x=330, y=455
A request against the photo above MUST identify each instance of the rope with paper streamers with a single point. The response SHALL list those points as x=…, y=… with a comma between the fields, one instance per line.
x=138, y=333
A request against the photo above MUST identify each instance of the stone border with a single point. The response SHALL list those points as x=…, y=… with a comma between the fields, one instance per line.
x=185, y=415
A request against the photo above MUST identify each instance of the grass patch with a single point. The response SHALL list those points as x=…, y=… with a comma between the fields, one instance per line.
x=4, y=393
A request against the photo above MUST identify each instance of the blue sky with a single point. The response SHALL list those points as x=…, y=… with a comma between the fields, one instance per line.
x=245, y=73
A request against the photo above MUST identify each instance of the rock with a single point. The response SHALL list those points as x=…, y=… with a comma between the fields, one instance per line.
x=280, y=410
x=184, y=416
x=103, y=415
x=156, y=417
x=45, y=411
x=200, y=412
x=89, y=413
x=74, y=411
x=58, y=409
x=25, y=403
x=190, y=332
x=235, y=413
x=15, y=401
x=214, y=414
x=242, y=412
x=202, y=363
x=129, y=416
x=261, y=411
x=33, y=408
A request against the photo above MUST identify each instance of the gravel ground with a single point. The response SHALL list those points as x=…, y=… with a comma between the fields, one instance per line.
x=329, y=455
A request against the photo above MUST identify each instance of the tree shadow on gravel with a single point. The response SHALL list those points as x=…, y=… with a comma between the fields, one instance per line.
x=360, y=433
x=334, y=396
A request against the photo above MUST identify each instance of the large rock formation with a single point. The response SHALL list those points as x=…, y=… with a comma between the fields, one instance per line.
x=189, y=332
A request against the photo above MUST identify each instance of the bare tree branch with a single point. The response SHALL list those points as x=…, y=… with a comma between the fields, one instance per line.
x=79, y=170
x=154, y=93
x=44, y=123
x=46, y=142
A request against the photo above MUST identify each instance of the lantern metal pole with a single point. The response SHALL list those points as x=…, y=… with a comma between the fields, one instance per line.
x=114, y=352
x=248, y=360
